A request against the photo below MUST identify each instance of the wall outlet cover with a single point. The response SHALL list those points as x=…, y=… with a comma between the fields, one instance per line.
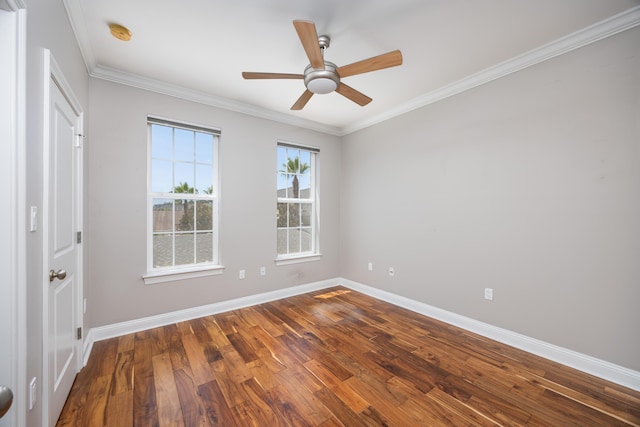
x=33, y=393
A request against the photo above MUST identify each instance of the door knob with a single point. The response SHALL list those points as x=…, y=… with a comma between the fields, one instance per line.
x=60, y=274
x=6, y=398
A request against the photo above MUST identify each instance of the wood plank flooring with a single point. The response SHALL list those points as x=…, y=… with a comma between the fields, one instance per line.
x=332, y=358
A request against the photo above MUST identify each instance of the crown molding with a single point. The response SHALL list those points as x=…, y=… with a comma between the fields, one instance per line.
x=140, y=82
x=13, y=5
x=591, y=34
x=77, y=21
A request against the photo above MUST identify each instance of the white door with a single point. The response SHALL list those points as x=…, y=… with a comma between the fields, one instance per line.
x=12, y=230
x=7, y=352
x=64, y=279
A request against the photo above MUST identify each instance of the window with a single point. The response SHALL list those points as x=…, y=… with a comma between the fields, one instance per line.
x=182, y=198
x=297, y=201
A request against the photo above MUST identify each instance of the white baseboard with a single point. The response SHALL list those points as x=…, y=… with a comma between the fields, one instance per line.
x=137, y=325
x=600, y=368
x=591, y=365
x=87, y=346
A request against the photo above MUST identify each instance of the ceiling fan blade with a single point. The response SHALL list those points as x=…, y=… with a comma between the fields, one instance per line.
x=386, y=60
x=348, y=92
x=302, y=101
x=309, y=38
x=250, y=75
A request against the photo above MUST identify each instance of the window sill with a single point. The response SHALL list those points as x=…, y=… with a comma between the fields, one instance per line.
x=298, y=259
x=162, y=276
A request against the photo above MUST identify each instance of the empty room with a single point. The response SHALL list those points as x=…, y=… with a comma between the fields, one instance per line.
x=303, y=213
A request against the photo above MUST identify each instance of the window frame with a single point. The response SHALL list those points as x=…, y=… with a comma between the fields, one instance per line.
x=314, y=193
x=192, y=270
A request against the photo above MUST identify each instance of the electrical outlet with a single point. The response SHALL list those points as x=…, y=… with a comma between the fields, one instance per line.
x=392, y=271
x=241, y=274
x=488, y=294
x=370, y=266
x=263, y=271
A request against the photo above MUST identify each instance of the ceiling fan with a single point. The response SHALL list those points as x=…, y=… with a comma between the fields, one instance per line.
x=322, y=76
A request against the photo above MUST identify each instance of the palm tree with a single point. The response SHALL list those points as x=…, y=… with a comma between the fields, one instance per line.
x=186, y=220
x=204, y=213
x=293, y=167
x=183, y=188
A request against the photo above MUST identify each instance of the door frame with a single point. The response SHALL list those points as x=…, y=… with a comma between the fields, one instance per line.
x=15, y=122
x=53, y=76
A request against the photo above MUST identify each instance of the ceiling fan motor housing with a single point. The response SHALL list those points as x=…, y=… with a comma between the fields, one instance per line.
x=321, y=81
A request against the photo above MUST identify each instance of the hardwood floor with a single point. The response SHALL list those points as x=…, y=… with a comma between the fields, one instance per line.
x=332, y=358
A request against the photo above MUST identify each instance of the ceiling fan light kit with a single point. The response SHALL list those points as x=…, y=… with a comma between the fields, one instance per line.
x=322, y=77
x=321, y=81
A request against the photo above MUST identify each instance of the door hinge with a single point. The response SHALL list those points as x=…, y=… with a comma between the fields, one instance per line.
x=79, y=333
x=79, y=237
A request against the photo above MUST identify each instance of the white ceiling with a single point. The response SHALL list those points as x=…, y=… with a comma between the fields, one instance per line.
x=197, y=49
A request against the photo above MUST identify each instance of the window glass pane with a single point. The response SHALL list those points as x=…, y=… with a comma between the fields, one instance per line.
x=282, y=215
x=184, y=215
x=184, y=145
x=184, y=248
x=282, y=241
x=289, y=163
x=305, y=240
x=162, y=215
x=304, y=183
x=305, y=162
x=162, y=250
x=204, y=179
x=162, y=142
x=282, y=184
x=184, y=178
x=305, y=214
x=161, y=176
x=282, y=159
x=204, y=247
x=294, y=215
x=294, y=192
x=294, y=240
x=204, y=215
x=293, y=160
x=204, y=148
x=290, y=185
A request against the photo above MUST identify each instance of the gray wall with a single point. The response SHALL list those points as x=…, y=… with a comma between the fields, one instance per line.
x=116, y=218
x=529, y=185
x=47, y=27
